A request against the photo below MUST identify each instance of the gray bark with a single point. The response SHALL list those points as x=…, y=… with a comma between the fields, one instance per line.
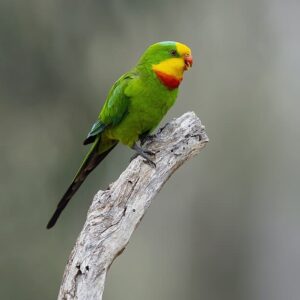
x=115, y=213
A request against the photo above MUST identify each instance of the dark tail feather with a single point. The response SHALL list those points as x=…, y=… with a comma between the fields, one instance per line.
x=89, y=139
x=92, y=160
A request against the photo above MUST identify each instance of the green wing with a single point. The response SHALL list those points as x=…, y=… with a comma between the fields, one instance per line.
x=114, y=109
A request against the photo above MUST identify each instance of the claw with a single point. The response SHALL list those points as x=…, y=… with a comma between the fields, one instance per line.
x=150, y=162
x=149, y=152
x=143, y=153
x=146, y=160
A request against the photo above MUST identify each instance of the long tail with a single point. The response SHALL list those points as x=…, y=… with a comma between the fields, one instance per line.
x=92, y=159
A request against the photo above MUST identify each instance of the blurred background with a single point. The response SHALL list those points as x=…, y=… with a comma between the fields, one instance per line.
x=226, y=225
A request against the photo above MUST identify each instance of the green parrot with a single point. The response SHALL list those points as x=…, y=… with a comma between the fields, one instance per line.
x=135, y=105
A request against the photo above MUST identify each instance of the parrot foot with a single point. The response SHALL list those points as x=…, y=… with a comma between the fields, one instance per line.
x=143, y=153
x=147, y=138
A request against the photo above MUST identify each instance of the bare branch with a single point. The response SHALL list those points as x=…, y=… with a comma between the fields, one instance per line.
x=116, y=212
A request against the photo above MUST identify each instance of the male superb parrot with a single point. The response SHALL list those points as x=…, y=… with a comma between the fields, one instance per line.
x=134, y=106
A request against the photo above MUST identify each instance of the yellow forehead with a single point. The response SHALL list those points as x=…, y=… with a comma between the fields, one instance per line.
x=183, y=49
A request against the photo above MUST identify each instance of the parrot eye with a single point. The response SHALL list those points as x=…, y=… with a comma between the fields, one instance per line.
x=173, y=52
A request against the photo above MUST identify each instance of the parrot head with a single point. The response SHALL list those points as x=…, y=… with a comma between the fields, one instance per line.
x=168, y=60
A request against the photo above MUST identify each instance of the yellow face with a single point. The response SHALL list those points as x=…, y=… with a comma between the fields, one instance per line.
x=183, y=49
x=175, y=66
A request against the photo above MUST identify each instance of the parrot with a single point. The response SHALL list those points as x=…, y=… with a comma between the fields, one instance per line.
x=135, y=105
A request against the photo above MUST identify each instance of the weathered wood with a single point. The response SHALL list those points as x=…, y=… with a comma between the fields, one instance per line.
x=116, y=212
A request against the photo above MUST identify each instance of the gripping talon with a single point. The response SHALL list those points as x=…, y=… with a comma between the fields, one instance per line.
x=150, y=163
x=144, y=153
x=149, y=152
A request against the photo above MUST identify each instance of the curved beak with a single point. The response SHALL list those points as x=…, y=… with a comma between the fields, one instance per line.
x=188, y=61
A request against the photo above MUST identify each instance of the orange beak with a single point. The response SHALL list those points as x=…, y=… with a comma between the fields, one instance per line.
x=188, y=61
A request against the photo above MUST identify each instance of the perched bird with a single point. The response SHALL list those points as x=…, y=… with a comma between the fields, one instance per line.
x=135, y=105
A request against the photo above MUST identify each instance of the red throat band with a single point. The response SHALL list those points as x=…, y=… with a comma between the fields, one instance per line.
x=167, y=80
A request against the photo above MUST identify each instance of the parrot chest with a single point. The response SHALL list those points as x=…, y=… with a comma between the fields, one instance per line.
x=150, y=107
x=145, y=112
x=149, y=102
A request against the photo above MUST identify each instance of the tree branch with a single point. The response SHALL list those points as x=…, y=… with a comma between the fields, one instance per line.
x=116, y=212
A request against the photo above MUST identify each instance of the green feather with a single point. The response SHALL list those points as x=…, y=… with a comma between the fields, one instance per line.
x=135, y=105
